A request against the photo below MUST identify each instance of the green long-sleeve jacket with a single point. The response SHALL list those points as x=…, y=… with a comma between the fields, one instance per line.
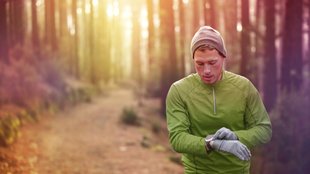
x=195, y=110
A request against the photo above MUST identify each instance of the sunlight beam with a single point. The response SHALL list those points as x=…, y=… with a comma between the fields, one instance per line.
x=113, y=9
x=239, y=27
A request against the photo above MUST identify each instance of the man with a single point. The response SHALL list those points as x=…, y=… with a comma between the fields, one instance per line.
x=214, y=116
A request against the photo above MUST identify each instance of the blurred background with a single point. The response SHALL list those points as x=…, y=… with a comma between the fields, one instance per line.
x=55, y=54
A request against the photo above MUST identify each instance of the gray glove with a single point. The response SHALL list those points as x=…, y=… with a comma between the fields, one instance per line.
x=225, y=134
x=232, y=146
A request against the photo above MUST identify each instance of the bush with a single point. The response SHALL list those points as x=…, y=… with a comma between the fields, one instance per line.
x=32, y=83
x=29, y=81
x=9, y=124
x=130, y=117
x=156, y=127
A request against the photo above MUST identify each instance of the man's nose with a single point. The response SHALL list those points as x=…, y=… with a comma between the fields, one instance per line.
x=207, y=69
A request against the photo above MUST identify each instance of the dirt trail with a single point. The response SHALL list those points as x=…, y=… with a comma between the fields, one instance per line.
x=89, y=139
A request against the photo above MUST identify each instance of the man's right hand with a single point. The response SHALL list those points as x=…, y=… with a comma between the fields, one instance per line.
x=234, y=147
x=225, y=134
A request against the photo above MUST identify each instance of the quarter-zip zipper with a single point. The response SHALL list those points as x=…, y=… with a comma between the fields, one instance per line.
x=214, y=101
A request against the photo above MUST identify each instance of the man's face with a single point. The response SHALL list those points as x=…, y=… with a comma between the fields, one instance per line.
x=209, y=65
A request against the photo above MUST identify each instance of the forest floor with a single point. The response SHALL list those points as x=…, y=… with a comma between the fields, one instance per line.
x=89, y=138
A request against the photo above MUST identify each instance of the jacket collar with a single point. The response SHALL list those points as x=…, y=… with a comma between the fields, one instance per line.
x=215, y=85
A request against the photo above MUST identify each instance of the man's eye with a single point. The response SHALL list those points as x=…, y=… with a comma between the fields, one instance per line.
x=212, y=63
x=200, y=64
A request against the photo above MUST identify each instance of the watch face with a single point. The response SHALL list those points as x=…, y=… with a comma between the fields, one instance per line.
x=208, y=139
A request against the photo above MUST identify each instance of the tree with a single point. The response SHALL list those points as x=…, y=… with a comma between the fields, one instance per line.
x=75, y=45
x=258, y=38
x=168, y=53
x=206, y=15
x=209, y=11
x=116, y=43
x=16, y=22
x=3, y=33
x=213, y=15
x=308, y=60
x=231, y=34
x=152, y=86
x=50, y=27
x=196, y=16
x=309, y=39
x=93, y=67
x=35, y=27
x=106, y=44
x=245, y=40
x=182, y=35
x=135, y=55
x=270, y=68
x=151, y=35
x=291, y=67
x=62, y=10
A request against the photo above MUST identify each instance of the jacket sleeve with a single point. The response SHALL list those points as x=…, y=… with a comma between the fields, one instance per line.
x=179, y=126
x=258, y=126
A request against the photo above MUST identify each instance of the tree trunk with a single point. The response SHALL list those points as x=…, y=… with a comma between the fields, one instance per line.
x=106, y=46
x=270, y=68
x=16, y=20
x=206, y=12
x=209, y=13
x=93, y=66
x=196, y=16
x=256, y=68
x=4, y=46
x=182, y=36
x=50, y=28
x=53, y=26
x=84, y=66
x=153, y=63
x=62, y=9
x=245, y=40
x=75, y=45
x=231, y=34
x=151, y=36
x=35, y=27
x=116, y=43
x=213, y=15
x=168, y=56
x=135, y=42
x=291, y=67
x=308, y=81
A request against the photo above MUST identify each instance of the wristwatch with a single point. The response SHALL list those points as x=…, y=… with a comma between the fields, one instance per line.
x=208, y=139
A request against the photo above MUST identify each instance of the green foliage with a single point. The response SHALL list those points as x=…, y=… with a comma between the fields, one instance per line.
x=288, y=151
x=11, y=118
x=130, y=117
x=8, y=130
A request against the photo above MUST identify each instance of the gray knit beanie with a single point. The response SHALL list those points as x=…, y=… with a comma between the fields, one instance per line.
x=206, y=35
